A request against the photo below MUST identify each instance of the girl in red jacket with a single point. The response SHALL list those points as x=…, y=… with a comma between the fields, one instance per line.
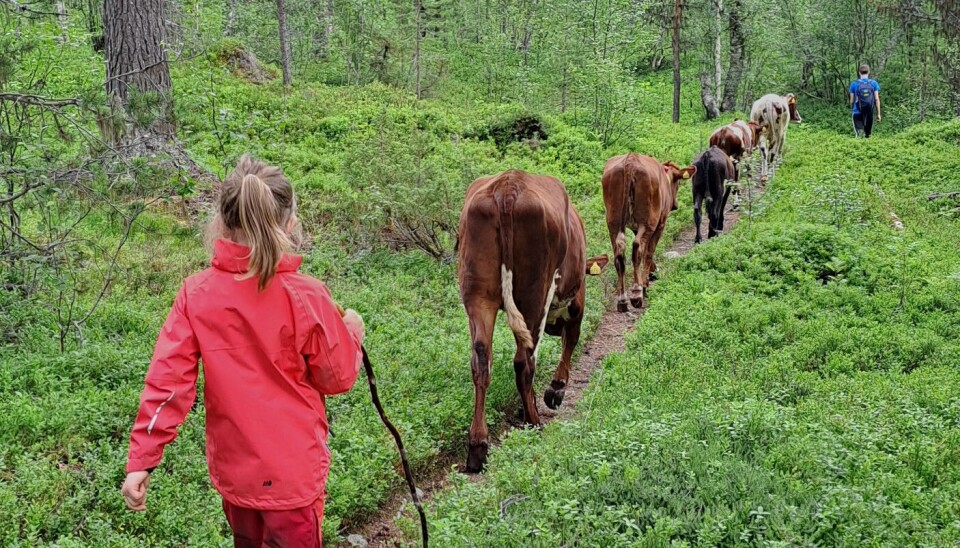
x=273, y=344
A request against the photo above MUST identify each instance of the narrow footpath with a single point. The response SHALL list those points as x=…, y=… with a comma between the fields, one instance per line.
x=381, y=531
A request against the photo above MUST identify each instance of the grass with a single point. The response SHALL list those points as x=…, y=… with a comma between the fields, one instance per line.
x=792, y=380
x=794, y=383
x=65, y=417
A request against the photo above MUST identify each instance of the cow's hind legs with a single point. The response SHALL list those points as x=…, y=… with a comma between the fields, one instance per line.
x=524, y=366
x=553, y=396
x=697, y=217
x=739, y=169
x=641, y=271
x=481, y=335
x=648, y=251
x=620, y=262
x=717, y=213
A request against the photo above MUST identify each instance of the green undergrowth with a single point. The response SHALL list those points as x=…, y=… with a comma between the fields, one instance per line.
x=793, y=383
x=803, y=366
x=65, y=416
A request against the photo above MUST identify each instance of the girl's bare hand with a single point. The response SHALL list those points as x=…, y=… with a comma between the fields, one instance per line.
x=134, y=490
x=354, y=324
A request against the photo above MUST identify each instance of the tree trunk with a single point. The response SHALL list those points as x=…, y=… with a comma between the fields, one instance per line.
x=231, y=17
x=284, y=43
x=64, y=21
x=717, y=51
x=951, y=73
x=710, y=107
x=677, y=16
x=736, y=69
x=418, y=11
x=93, y=18
x=321, y=39
x=528, y=33
x=135, y=58
x=806, y=73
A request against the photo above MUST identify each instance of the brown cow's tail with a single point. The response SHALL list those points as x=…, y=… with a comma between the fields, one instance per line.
x=506, y=198
x=629, y=176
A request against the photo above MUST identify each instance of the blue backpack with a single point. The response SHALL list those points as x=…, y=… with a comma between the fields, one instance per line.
x=865, y=93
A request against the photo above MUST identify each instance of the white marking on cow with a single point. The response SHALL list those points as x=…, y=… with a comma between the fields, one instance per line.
x=897, y=223
x=546, y=311
x=740, y=133
x=514, y=318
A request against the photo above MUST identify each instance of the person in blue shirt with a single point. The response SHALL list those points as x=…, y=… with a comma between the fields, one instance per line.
x=865, y=100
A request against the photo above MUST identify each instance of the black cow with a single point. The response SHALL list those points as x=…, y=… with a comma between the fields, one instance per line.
x=714, y=169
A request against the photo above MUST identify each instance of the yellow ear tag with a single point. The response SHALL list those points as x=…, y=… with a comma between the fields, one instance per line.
x=686, y=174
x=595, y=269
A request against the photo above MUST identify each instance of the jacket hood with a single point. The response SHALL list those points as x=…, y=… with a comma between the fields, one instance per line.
x=233, y=257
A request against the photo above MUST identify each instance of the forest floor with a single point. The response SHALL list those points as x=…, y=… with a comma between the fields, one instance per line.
x=381, y=531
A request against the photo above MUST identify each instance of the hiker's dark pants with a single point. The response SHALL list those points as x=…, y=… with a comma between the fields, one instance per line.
x=863, y=122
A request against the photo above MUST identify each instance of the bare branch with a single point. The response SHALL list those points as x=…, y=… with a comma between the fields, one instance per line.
x=25, y=8
x=113, y=261
x=23, y=192
x=37, y=100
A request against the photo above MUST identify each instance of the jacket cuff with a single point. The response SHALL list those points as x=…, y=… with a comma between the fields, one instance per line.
x=140, y=465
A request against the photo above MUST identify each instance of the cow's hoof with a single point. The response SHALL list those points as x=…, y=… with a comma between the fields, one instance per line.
x=697, y=240
x=553, y=396
x=653, y=277
x=476, y=458
x=636, y=298
x=622, y=305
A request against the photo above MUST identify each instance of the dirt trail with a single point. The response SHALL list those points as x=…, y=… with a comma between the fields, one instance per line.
x=381, y=530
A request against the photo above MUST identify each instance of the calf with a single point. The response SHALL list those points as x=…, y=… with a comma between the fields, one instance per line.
x=521, y=249
x=639, y=193
x=714, y=169
x=776, y=112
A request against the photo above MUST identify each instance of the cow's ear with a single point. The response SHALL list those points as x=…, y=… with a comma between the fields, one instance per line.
x=688, y=172
x=595, y=265
x=792, y=100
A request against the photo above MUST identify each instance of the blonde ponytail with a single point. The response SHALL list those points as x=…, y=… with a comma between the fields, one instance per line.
x=256, y=206
x=260, y=225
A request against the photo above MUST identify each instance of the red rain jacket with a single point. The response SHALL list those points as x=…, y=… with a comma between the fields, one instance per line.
x=269, y=358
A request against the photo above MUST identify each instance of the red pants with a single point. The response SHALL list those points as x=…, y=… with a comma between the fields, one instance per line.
x=298, y=528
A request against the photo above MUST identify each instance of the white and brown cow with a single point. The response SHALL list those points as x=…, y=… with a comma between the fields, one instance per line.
x=737, y=139
x=776, y=111
x=521, y=249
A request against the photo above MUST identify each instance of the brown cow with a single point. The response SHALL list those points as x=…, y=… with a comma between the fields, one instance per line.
x=639, y=193
x=737, y=139
x=521, y=249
